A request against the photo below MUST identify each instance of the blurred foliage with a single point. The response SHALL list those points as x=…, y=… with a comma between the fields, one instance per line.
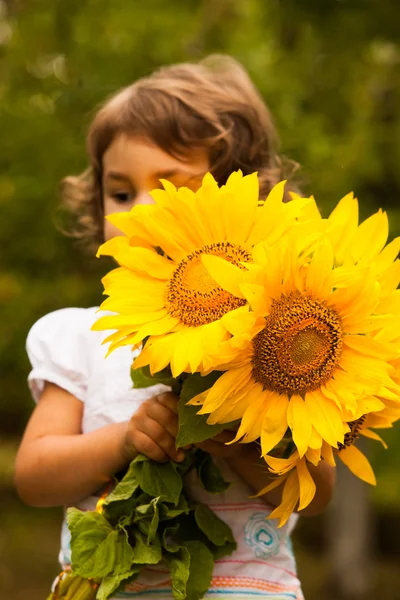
x=329, y=71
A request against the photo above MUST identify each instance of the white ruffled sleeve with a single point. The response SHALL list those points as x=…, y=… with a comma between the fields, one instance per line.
x=57, y=346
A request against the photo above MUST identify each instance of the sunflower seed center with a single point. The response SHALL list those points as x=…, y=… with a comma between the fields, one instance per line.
x=299, y=347
x=193, y=296
x=351, y=436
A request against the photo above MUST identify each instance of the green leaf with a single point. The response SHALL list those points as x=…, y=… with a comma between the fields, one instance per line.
x=193, y=428
x=125, y=488
x=142, y=378
x=216, y=530
x=147, y=518
x=188, y=463
x=201, y=570
x=120, y=512
x=179, y=564
x=168, y=541
x=143, y=553
x=97, y=548
x=221, y=551
x=209, y=474
x=170, y=512
x=112, y=582
x=158, y=479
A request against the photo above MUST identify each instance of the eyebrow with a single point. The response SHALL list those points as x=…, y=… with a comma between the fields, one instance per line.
x=117, y=176
x=177, y=171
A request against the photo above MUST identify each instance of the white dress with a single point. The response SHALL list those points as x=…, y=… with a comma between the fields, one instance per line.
x=63, y=350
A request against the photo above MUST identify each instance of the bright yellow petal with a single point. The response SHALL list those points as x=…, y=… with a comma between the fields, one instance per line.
x=325, y=417
x=163, y=325
x=388, y=254
x=370, y=237
x=224, y=388
x=306, y=484
x=267, y=215
x=327, y=454
x=373, y=436
x=299, y=422
x=358, y=464
x=290, y=498
x=241, y=211
x=313, y=456
x=315, y=440
x=280, y=480
x=252, y=419
x=343, y=223
x=319, y=270
x=131, y=223
x=224, y=273
x=274, y=424
x=113, y=246
x=280, y=466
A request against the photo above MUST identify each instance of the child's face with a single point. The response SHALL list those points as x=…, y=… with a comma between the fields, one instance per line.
x=132, y=167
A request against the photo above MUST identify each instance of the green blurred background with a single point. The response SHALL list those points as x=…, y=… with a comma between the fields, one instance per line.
x=329, y=71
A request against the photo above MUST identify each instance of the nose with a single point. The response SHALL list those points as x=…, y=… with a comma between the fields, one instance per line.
x=143, y=197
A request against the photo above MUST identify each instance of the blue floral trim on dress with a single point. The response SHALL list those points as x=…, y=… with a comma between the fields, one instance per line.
x=65, y=543
x=262, y=536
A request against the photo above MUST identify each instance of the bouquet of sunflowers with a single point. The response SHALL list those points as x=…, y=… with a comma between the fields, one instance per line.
x=264, y=317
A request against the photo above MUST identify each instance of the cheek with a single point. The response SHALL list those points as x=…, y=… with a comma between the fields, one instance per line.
x=110, y=230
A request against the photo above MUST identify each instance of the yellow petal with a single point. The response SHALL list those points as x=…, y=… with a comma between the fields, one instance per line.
x=315, y=440
x=373, y=436
x=113, y=246
x=131, y=223
x=267, y=215
x=224, y=388
x=319, y=270
x=343, y=223
x=282, y=465
x=241, y=211
x=370, y=236
x=327, y=454
x=300, y=424
x=290, y=498
x=252, y=420
x=306, y=484
x=224, y=273
x=313, y=456
x=271, y=486
x=325, y=417
x=358, y=464
x=274, y=424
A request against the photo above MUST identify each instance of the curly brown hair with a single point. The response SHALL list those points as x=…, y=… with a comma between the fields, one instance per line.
x=212, y=104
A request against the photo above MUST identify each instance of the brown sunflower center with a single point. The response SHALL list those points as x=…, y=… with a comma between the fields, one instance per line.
x=299, y=347
x=193, y=296
x=354, y=433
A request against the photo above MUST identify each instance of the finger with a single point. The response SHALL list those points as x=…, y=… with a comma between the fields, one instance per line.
x=160, y=436
x=170, y=400
x=164, y=416
x=224, y=437
x=145, y=445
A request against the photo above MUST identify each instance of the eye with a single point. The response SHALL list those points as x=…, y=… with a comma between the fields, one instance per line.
x=122, y=197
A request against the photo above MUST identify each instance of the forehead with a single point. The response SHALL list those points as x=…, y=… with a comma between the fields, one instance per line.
x=131, y=153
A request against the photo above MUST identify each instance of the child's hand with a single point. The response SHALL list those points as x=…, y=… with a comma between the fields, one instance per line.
x=153, y=428
x=216, y=446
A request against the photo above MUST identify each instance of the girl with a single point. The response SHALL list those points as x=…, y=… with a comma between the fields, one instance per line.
x=89, y=423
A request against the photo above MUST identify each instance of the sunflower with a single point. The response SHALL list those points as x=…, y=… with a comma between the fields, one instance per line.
x=320, y=352
x=294, y=473
x=161, y=289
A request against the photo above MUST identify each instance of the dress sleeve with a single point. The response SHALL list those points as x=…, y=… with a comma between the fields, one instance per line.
x=58, y=351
